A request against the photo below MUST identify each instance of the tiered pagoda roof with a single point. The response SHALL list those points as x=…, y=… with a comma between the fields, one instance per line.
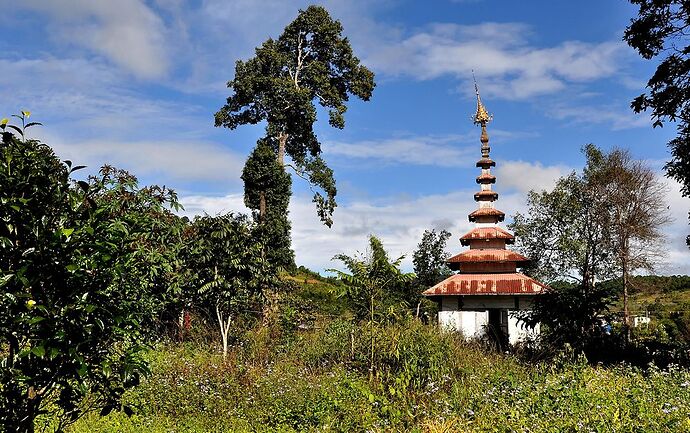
x=488, y=267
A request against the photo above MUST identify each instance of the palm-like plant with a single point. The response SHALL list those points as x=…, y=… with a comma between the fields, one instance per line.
x=374, y=286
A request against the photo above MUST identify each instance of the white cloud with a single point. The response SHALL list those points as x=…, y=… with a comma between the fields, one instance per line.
x=92, y=99
x=164, y=160
x=614, y=115
x=399, y=223
x=508, y=66
x=431, y=150
x=677, y=260
x=127, y=32
x=415, y=150
x=524, y=176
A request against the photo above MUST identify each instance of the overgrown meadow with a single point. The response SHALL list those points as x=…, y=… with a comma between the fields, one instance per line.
x=423, y=380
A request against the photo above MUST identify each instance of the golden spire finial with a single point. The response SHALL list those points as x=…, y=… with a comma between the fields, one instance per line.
x=482, y=117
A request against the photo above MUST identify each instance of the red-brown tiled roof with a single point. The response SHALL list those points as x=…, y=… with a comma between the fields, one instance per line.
x=487, y=211
x=492, y=195
x=486, y=284
x=487, y=255
x=486, y=233
x=486, y=178
x=486, y=163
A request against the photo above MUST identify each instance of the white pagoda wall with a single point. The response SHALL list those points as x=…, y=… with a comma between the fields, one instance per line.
x=470, y=315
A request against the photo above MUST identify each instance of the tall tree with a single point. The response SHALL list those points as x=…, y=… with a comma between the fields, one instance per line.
x=311, y=62
x=662, y=30
x=635, y=213
x=563, y=234
x=430, y=267
x=606, y=220
x=267, y=193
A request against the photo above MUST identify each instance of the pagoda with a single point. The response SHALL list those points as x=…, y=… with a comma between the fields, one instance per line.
x=483, y=296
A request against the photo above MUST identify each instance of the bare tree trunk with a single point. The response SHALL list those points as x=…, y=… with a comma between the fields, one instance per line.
x=224, y=325
x=371, y=328
x=626, y=312
x=262, y=206
x=282, y=140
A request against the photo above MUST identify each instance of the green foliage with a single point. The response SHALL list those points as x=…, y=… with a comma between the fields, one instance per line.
x=375, y=286
x=428, y=382
x=660, y=29
x=77, y=270
x=570, y=314
x=566, y=235
x=562, y=231
x=310, y=62
x=267, y=194
x=227, y=271
x=430, y=267
x=430, y=257
x=225, y=264
x=155, y=237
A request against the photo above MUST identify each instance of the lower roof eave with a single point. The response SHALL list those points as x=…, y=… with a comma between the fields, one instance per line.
x=438, y=295
x=512, y=284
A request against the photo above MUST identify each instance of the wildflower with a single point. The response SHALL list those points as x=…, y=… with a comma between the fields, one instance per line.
x=30, y=304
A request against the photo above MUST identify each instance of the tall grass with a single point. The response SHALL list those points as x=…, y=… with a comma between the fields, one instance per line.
x=319, y=380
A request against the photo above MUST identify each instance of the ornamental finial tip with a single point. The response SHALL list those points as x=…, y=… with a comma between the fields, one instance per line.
x=482, y=117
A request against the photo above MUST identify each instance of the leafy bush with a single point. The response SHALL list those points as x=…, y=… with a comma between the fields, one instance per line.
x=82, y=267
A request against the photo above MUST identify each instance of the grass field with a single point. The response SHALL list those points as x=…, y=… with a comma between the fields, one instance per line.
x=320, y=380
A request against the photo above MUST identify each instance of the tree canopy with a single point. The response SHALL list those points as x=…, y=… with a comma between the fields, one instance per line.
x=267, y=194
x=309, y=62
x=591, y=226
x=226, y=269
x=661, y=30
x=429, y=259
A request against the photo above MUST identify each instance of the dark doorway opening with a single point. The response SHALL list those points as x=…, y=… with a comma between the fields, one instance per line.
x=498, y=328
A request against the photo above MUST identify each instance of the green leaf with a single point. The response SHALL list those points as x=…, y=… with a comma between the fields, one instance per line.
x=5, y=279
x=16, y=129
x=72, y=267
x=36, y=319
x=39, y=351
x=67, y=232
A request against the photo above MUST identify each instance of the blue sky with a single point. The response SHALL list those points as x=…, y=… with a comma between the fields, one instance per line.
x=135, y=84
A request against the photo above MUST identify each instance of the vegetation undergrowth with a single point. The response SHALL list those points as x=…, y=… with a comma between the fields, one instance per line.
x=424, y=381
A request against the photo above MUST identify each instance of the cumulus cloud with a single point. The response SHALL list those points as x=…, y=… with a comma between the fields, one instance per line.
x=400, y=223
x=165, y=160
x=510, y=67
x=127, y=32
x=677, y=258
x=617, y=116
x=524, y=176
x=429, y=150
